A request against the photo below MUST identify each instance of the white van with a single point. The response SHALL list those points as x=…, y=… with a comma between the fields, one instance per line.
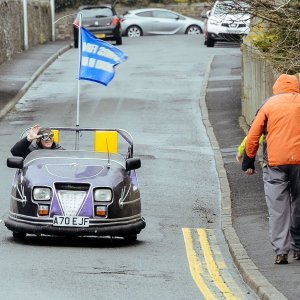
x=227, y=21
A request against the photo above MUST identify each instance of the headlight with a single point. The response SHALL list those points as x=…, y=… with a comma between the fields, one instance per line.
x=41, y=193
x=214, y=22
x=102, y=195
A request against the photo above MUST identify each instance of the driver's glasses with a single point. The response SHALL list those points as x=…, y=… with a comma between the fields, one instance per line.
x=47, y=136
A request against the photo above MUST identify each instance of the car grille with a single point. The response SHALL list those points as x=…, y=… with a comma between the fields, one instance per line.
x=233, y=25
x=71, y=197
x=231, y=37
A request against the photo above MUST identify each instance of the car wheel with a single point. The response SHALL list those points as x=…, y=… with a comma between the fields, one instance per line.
x=210, y=42
x=130, y=238
x=19, y=235
x=134, y=31
x=119, y=40
x=193, y=29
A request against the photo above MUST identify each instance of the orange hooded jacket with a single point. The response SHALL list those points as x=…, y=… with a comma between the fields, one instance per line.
x=279, y=120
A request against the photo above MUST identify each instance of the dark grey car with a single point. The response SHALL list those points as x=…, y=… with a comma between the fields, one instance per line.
x=101, y=20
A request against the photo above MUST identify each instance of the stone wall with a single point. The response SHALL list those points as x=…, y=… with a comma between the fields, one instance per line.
x=12, y=26
x=64, y=29
x=39, y=22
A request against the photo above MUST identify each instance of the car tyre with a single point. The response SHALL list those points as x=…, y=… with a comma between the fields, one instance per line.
x=193, y=29
x=119, y=40
x=134, y=31
x=130, y=238
x=19, y=235
x=210, y=42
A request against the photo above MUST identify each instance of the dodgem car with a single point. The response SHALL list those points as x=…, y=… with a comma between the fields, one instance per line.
x=88, y=192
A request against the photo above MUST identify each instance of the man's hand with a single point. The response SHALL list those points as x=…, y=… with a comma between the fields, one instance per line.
x=33, y=133
x=250, y=171
x=248, y=164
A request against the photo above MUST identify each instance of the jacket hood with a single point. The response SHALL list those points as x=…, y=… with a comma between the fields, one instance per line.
x=286, y=84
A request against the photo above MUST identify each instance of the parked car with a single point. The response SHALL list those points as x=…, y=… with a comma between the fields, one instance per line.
x=151, y=21
x=227, y=21
x=86, y=192
x=101, y=20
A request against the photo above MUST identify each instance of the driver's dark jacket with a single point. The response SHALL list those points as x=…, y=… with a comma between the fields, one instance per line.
x=24, y=147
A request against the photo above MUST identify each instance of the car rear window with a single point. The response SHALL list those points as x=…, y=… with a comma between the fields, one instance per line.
x=164, y=14
x=97, y=12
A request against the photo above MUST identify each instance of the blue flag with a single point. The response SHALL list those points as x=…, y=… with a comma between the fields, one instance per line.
x=98, y=59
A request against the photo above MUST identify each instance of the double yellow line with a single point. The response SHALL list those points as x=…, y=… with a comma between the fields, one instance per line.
x=206, y=273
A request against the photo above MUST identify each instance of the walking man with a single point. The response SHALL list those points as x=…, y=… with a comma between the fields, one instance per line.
x=279, y=120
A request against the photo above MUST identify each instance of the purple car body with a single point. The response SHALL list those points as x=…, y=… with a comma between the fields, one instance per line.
x=76, y=192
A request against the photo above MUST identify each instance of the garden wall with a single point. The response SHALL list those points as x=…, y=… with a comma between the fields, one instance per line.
x=258, y=78
x=12, y=26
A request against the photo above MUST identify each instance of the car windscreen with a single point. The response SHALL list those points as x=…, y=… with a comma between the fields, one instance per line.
x=231, y=8
x=99, y=12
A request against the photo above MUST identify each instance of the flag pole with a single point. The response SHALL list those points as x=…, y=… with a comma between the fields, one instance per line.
x=78, y=80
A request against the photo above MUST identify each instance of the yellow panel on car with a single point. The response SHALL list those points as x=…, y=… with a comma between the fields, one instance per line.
x=106, y=141
x=56, y=135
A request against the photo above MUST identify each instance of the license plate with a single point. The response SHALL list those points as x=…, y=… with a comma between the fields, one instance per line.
x=100, y=35
x=69, y=221
x=232, y=31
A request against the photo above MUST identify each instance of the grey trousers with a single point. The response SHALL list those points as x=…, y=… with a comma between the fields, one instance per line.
x=282, y=191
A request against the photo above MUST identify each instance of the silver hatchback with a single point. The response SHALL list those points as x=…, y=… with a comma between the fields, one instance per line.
x=152, y=21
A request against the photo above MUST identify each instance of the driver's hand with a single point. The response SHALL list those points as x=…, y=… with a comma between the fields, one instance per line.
x=33, y=133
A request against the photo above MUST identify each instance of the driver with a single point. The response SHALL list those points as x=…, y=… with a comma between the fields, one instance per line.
x=37, y=138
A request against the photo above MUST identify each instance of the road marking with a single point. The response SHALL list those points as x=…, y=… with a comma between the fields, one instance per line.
x=195, y=265
x=207, y=265
x=225, y=272
x=212, y=266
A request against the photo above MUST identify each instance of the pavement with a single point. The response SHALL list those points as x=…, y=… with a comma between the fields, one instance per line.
x=244, y=213
x=19, y=73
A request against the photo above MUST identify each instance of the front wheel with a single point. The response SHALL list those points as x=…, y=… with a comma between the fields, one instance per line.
x=193, y=29
x=130, y=238
x=210, y=42
x=134, y=31
x=19, y=235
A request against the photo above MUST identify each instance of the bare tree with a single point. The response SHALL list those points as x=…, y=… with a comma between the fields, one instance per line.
x=275, y=30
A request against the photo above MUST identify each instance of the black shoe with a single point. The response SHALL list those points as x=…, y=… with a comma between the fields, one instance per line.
x=296, y=255
x=282, y=259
